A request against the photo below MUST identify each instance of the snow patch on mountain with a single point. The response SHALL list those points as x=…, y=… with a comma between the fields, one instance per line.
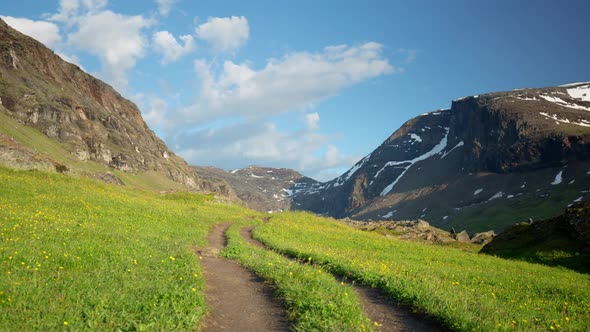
x=499, y=194
x=388, y=214
x=582, y=122
x=435, y=150
x=573, y=84
x=563, y=103
x=558, y=178
x=415, y=137
x=460, y=144
x=580, y=92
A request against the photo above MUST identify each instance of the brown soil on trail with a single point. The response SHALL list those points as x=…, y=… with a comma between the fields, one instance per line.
x=378, y=307
x=238, y=299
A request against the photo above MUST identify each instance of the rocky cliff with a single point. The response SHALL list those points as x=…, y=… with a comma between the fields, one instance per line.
x=86, y=116
x=485, y=163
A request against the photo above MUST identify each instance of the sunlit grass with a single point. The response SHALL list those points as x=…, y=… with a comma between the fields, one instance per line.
x=315, y=300
x=84, y=255
x=466, y=291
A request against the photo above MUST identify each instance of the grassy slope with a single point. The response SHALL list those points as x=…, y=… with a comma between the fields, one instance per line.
x=466, y=291
x=502, y=213
x=86, y=255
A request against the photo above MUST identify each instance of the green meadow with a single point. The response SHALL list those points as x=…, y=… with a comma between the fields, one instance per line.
x=465, y=291
x=78, y=254
x=83, y=255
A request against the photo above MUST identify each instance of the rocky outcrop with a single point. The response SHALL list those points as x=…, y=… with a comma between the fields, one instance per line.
x=483, y=238
x=485, y=153
x=408, y=230
x=562, y=240
x=90, y=119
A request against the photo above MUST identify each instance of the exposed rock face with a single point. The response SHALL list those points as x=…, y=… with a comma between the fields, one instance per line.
x=91, y=119
x=264, y=189
x=518, y=147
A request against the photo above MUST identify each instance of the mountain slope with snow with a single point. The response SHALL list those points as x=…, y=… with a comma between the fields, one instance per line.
x=525, y=151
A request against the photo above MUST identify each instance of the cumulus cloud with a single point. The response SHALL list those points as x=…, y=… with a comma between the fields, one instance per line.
x=171, y=50
x=116, y=39
x=154, y=110
x=69, y=10
x=45, y=32
x=295, y=82
x=164, y=6
x=261, y=143
x=312, y=120
x=224, y=33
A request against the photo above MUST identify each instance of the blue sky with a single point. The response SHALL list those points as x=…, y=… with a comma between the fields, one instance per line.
x=308, y=85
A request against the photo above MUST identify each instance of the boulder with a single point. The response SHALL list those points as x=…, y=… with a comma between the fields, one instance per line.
x=462, y=237
x=483, y=238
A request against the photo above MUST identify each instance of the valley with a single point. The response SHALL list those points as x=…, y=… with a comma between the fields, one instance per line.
x=470, y=218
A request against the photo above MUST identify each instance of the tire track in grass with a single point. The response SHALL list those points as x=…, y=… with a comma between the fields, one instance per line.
x=238, y=299
x=378, y=307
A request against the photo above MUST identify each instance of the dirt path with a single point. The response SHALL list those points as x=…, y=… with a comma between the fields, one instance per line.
x=238, y=299
x=377, y=306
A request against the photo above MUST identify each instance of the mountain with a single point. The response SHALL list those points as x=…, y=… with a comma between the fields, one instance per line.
x=487, y=162
x=54, y=115
x=264, y=189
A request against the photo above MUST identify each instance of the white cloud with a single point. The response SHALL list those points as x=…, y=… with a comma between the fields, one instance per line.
x=69, y=10
x=295, y=82
x=45, y=32
x=94, y=5
x=225, y=33
x=164, y=6
x=116, y=39
x=259, y=143
x=156, y=111
x=312, y=120
x=165, y=44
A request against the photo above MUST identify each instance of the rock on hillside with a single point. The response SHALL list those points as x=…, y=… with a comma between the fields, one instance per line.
x=483, y=164
x=563, y=240
x=262, y=188
x=419, y=230
x=88, y=117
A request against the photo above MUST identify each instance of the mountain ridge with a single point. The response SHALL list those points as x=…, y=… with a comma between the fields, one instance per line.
x=432, y=166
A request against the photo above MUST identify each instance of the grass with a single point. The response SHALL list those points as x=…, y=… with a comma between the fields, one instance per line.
x=315, y=300
x=78, y=254
x=504, y=213
x=465, y=291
